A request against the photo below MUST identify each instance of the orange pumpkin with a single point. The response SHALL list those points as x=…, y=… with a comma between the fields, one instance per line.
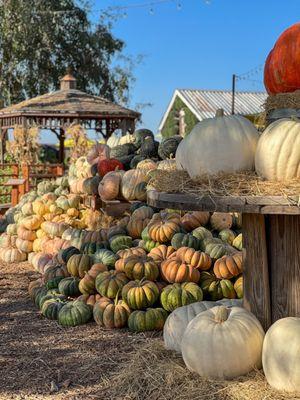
x=90, y=299
x=87, y=283
x=25, y=246
x=173, y=270
x=194, y=219
x=139, y=251
x=135, y=227
x=161, y=253
x=283, y=63
x=26, y=234
x=163, y=227
x=196, y=259
x=143, y=213
x=220, y=221
x=229, y=266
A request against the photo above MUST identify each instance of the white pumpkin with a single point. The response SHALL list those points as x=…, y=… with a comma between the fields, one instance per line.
x=178, y=320
x=220, y=144
x=128, y=138
x=277, y=156
x=223, y=343
x=281, y=355
x=114, y=140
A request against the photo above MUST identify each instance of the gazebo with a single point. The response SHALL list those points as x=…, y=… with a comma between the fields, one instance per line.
x=56, y=111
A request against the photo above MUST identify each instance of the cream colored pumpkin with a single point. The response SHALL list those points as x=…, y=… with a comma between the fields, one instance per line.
x=277, y=156
x=280, y=355
x=167, y=165
x=220, y=144
x=179, y=319
x=223, y=343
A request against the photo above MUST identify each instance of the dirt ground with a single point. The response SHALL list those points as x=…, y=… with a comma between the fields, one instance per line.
x=41, y=360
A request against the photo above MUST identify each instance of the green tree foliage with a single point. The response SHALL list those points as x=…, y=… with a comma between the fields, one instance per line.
x=40, y=39
x=170, y=127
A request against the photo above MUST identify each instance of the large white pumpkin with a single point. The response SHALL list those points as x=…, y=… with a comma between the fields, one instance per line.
x=179, y=319
x=278, y=156
x=114, y=140
x=281, y=354
x=223, y=343
x=220, y=144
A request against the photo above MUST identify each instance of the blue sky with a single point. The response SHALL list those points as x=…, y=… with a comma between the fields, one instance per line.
x=200, y=46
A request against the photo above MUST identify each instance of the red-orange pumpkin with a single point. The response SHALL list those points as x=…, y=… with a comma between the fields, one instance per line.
x=105, y=166
x=109, y=187
x=282, y=67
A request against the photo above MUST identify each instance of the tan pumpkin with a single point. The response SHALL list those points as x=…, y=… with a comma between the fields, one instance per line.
x=167, y=165
x=27, y=209
x=144, y=212
x=109, y=187
x=220, y=221
x=173, y=270
x=195, y=219
x=32, y=223
x=53, y=246
x=79, y=264
x=12, y=255
x=161, y=253
x=130, y=180
x=40, y=233
x=26, y=246
x=40, y=208
x=37, y=245
x=25, y=234
x=73, y=212
x=197, y=259
x=227, y=267
x=147, y=165
x=163, y=227
x=54, y=209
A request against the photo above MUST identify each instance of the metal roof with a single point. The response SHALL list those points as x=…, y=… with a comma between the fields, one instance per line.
x=204, y=103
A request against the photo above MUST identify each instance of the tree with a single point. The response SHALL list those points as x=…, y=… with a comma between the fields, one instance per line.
x=40, y=39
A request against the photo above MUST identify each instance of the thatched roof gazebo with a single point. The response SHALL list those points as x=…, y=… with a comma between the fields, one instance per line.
x=56, y=111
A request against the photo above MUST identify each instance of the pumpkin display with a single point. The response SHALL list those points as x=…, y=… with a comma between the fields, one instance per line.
x=87, y=283
x=277, y=158
x=238, y=287
x=109, y=187
x=194, y=220
x=69, y=286
x=280, y=355
x=173, y=270
x=111, y=314
x=161, y=253
x=74, y=313
x=120, y=242
x=196, y=259
x=227, y=267
x=109, y=283
x=178, y=295
x=185, y=240
x=238, y=242
x=139, y=267
x=179, y=319
x=140, y=294
x=105, y=166
x=51, y=308
x=163, y=227
x=152, y=319
x=168, y=146
x=105, y=257
x=130, y=180
x=282, y=64
x=235, y=328
x=234, y=135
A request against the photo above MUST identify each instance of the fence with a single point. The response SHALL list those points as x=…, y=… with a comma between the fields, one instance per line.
x=16, y=180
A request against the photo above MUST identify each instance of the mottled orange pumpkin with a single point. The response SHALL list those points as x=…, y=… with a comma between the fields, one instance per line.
x=109, y=187
x=136, y=226
x=229, y=266
x=163, y=227
x=195, y=219
x=111, y=314
x=161, y=253
x=197, y=259
x=174, y=270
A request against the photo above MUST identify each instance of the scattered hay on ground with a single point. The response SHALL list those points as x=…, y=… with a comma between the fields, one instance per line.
x=246, y=184
x=283, y=100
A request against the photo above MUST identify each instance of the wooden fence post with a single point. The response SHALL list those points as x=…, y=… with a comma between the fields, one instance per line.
x=25, y=173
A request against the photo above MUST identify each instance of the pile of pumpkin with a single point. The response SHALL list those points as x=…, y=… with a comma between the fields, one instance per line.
x=142, y=267
x=109, y=173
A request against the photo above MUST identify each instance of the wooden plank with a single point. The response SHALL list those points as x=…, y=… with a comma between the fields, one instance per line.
x=255, y=268
x=14, y=182
x=272, y=200
x=287, y=210
x=283, y=233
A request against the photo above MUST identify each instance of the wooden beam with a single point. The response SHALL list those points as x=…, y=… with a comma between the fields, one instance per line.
x=61, y=145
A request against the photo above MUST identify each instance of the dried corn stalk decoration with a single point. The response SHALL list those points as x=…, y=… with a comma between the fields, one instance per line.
x=80, y=141
x=25, y=145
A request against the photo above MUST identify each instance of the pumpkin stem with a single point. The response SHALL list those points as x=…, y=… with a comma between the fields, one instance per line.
x=221, y=314
x=220, y=112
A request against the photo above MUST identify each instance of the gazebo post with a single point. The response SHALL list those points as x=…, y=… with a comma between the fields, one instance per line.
x=3, y=133
x=61, y=145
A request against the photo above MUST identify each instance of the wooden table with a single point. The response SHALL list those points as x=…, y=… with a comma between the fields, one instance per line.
x=271, y=248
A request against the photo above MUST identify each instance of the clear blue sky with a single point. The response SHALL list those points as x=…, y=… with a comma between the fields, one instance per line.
x=200, y=46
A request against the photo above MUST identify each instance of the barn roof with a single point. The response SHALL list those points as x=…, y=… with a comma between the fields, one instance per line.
x=204, y=103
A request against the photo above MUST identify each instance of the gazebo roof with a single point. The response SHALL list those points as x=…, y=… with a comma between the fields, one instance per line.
x=70, y=101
